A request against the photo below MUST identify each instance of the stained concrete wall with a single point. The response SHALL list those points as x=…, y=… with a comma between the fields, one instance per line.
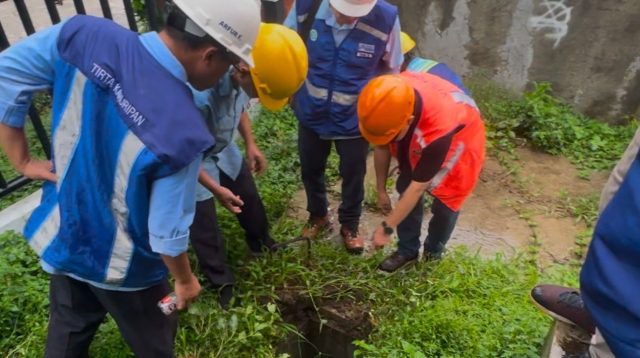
x=588, y=49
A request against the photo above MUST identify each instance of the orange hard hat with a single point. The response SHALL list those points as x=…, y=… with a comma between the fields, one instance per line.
x=385, y=107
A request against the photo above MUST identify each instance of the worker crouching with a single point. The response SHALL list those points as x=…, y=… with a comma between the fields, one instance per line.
x=435, y=131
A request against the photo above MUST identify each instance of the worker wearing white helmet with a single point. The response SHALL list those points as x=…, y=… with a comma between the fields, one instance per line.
x=349, y=43
x=119, y=191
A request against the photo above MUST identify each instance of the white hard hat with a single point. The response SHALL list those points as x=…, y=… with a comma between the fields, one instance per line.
x=234, y=24
x=353, y=8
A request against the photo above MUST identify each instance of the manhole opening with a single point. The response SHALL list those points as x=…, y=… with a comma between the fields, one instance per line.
x=326, y=327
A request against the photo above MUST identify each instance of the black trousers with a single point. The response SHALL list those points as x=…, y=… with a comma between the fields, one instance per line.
x=207, y=239
x=77, y=309
x=314, y=152
x=441, y=226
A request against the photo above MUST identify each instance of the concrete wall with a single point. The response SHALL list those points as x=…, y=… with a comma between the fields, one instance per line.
x=588, y=49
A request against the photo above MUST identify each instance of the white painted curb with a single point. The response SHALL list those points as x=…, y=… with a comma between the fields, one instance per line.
x=15, y=216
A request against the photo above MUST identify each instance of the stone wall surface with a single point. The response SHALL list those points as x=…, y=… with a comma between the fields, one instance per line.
x=587, y=49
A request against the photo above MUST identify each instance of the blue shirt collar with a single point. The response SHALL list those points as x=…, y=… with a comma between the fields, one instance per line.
x=156, y=47
x=225, y=86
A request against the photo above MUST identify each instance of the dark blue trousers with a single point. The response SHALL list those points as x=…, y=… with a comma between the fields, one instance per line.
x=441, y=226
x=314, y=152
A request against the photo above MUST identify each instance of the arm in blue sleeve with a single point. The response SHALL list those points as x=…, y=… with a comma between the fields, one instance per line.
x=171, y=211
x=25, y=68
x=292, y=18
x=394, y=57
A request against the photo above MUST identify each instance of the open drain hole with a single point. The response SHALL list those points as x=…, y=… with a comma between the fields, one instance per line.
x=328, y=331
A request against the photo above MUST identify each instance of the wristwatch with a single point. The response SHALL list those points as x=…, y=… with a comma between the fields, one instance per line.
x=388, y=230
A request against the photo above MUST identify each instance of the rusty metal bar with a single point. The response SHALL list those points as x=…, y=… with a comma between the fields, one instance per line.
x=106, y=10
x=23, y=12
x=4, y=42
x=150, y=7
x=79, y=5
x=53, y=11
x=14, y=185
x=131, y=17
x=3, y=182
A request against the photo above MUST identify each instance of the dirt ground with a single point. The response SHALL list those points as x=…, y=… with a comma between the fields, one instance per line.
x=508, y=211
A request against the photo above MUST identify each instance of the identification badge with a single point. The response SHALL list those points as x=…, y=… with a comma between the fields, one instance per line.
x=365, y=50
x=363, y=47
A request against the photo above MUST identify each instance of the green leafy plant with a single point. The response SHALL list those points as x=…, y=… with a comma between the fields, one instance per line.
x=551, y=125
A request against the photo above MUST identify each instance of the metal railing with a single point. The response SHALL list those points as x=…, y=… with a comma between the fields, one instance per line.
x=273, y=11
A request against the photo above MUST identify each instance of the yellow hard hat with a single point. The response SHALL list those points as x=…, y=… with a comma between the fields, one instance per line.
x=281, y=64
x=406, y=42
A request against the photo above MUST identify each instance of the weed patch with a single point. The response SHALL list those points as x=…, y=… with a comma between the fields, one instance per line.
x=550, y=125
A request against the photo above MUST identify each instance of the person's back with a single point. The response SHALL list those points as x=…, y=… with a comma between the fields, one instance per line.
x=610, y=276
x=419, y=64
x=436, y=132
x=127, y=143
x=447, y=109
x=110, y=143
x=415, y=63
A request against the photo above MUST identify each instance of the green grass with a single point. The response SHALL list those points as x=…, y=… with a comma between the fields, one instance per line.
x=464, y=306
x=550, y=125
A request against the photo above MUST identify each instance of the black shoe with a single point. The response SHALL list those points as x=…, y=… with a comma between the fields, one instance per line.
x=396, y=261
x=226, y=298
x=564, y=304
x=430, y=257
x=263, y=251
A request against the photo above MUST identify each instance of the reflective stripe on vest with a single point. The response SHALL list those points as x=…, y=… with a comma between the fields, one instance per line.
x=444, y=171
x=316, y=92
x=460, y=97
x=344, y=99
x=372, y=31
x=337, y=74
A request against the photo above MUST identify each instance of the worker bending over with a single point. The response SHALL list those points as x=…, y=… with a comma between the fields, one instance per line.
x=436, y=132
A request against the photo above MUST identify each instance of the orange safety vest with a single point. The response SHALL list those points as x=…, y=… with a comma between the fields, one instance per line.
x=445, y=107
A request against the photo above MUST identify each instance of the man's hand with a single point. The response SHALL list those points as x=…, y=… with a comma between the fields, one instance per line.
x=256, y=160
x=187, y=291
x=384, y=202
x=379, y=238
x=229, y=200
x=39, y=170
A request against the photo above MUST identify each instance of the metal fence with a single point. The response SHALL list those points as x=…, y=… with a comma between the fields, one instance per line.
x=272, y=11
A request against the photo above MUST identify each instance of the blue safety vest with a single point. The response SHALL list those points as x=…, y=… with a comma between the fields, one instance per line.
x=326, y=103
x=438, y=69
x=120, y=121
x=610, y=277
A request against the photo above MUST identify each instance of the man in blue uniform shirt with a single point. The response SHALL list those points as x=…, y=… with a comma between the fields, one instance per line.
x=349, y=43
x=127, y=141
x=280, y=68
